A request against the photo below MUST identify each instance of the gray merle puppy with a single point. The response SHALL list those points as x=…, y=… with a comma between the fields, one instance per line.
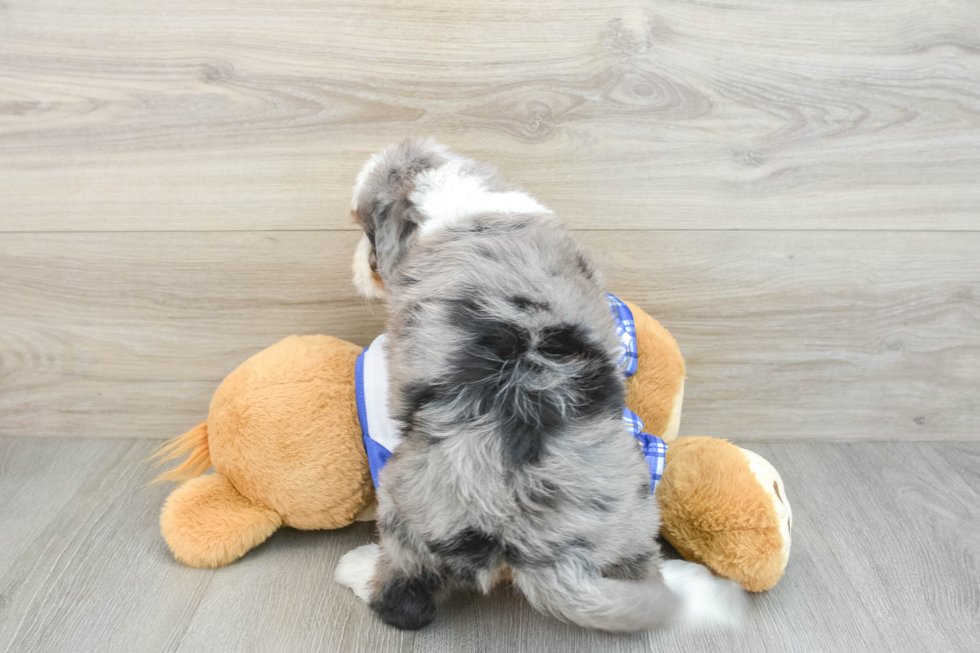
x=503, y=363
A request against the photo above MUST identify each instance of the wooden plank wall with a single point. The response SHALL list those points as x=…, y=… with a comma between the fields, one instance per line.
x=792, y=188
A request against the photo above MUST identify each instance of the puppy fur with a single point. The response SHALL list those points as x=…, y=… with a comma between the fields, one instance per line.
x=504, y=372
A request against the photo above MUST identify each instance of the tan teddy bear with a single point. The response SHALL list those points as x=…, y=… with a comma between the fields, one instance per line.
x=285, y=440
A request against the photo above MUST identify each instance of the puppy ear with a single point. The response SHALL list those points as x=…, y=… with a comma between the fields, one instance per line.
x=396, y=229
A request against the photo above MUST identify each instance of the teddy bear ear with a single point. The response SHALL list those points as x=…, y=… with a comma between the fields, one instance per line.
x=772, y=484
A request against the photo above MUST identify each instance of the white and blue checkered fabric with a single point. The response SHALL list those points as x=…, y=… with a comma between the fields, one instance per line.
x=654, y=449
x=626, y=330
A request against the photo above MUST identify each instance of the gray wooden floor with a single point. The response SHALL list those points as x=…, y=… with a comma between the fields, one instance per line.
x=886, y=557
x=790, y=187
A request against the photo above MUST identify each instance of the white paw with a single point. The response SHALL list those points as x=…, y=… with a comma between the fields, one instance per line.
x=356, y=568
x=708, y=600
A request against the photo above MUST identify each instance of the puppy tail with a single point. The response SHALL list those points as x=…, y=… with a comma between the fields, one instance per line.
x=688, y=594
x=707, y=600
x=580, y=596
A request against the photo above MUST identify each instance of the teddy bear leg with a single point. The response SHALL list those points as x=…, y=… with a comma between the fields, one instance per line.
x=207, y=523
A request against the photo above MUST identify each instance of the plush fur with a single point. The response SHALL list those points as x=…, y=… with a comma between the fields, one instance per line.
x=194, y=445
x=656, y=391
x=302, y=473
x=504, y=370
x=283, y=435
x=207, y=522
x=716, y=512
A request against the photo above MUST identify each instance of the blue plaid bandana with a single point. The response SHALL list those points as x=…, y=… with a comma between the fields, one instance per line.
x=382, y=434
x=654, y=449
x=626, y=330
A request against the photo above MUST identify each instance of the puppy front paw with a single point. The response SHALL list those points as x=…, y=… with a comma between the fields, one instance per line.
x=356, y=569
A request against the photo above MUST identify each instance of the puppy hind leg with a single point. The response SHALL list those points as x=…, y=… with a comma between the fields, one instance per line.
x=405, y=587
x=402, y=595
x=407, y=578
x=406, y=601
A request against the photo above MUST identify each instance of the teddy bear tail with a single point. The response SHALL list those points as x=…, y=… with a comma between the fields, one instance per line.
x=195, y=443
x=208, y=523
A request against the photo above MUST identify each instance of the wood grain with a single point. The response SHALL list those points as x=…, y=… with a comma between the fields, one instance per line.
x=884, y=559
x=28, y=501
x=129, y=334
x=814, y=336
x=98, y=577
x=228, y=115
x=962, y=458
x=787, y=335
x=285, y=600
x=903, y=526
